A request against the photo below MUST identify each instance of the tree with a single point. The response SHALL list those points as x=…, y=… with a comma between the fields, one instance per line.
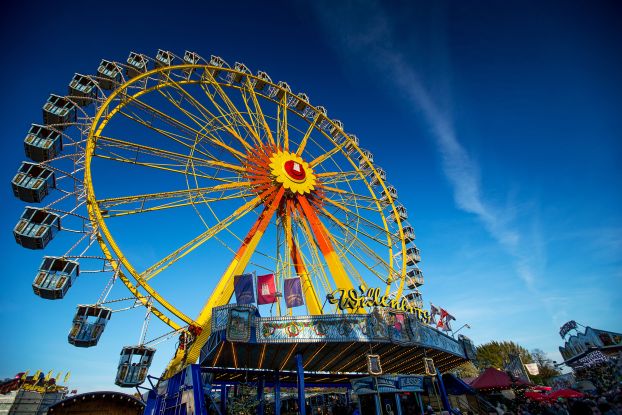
x=466, y=370
x=546, y=367
x=497, y=354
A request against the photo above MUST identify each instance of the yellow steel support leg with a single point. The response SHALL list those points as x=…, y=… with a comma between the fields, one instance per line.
x=323, y=240
x=224, y=289
x=312, y=300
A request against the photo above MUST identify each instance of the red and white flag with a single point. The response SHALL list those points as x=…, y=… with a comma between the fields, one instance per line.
x=441, y=322
x=266, y=289
x=433, y=313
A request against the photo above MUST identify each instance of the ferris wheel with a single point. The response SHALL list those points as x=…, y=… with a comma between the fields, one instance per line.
x=173, y=175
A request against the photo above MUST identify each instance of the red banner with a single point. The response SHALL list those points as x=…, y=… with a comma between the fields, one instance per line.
x=266, y=289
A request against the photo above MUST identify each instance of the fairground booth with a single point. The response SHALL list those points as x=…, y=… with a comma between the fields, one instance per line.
x=594, y=355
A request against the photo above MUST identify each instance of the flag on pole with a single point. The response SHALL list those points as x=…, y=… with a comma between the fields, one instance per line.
x=266, y=289
x=67, y=376
x=48, y=376
x=448, y=319
x=433, y=313
x=243, y=286
x=293, y=292
x=58, y=375
x=25, y=375
x=36, y=376
x=441, y=322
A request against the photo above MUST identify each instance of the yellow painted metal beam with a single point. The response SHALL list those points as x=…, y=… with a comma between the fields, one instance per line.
x=223, y=291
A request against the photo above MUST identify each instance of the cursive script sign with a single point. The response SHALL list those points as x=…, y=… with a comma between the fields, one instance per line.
x=354, y=300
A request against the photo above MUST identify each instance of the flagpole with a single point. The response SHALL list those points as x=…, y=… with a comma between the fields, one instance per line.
x=255, y=292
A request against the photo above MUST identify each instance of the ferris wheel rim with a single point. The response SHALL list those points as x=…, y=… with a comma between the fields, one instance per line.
x=100, y=224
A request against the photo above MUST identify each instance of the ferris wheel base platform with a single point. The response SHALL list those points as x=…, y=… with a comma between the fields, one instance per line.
x=333, y=347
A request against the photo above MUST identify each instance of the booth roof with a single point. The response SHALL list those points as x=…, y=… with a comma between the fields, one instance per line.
x=495, y=379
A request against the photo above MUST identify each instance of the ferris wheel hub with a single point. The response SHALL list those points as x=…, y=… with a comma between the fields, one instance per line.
x=292, y=172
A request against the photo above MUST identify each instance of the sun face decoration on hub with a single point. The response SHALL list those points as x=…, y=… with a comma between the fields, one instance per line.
x=292, y=172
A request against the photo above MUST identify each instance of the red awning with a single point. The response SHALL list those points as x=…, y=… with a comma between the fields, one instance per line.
x=495, y=379
x=565, y=393
x=536, y=396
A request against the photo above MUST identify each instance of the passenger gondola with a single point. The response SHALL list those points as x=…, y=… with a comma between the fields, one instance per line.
x=55, y=277
x=33, y=182
x=133, y=365
x=89, y=323
x=59, y=111
x=36, y=228
x=42, y=143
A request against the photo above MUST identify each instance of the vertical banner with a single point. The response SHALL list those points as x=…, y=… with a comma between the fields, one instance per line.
x=266, y=289
x=243, y=286
x=293, y=292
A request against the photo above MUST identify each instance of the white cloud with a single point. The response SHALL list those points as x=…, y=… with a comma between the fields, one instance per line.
x=371, y=37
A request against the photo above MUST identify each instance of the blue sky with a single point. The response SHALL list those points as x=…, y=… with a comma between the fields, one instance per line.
x=498, y=123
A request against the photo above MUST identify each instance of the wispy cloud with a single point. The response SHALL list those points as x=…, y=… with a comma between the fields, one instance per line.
x=372, y=36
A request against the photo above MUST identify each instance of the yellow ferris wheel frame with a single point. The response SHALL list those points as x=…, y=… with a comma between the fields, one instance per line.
x=223, y=290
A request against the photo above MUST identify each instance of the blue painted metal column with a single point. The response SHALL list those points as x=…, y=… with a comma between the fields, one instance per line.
x=441, y=387
x=377, y=400
x=197, y=390
x=223, y=399
x=418, y=395
x=260, y=387
x=398, y=404
x=301, y=385
x=277, y=392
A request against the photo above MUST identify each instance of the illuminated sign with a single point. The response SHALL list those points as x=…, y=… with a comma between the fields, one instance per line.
x=353, y=300
x=567, y=327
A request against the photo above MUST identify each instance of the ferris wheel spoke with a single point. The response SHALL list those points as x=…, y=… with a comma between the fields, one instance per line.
x=145, y=300
x=203, y=111
x=199, y=122
x=351, y=194
x=335, y=177
x=313, y=303
x=353, y=229
x=352, y=236
x=208, y=115
x=173, y=168
x=327, y=155
x=316, y=256
x=177, y=138
x=223, y=291
x=367, y=222
x=251, y=91
x=323, y=239
x=190, y=246
x=383, y=275
x=347, y=252
x=257, y=118
x=305, y=138
x=116, y=143
x=169, y=200
x=184, y=127
x=233, y=110
x=282, y=125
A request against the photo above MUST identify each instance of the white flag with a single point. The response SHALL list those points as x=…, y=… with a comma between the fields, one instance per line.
x=532, y=368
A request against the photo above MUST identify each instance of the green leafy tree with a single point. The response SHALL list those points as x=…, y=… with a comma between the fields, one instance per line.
x=546, y=367
x=497, y=354
x=466, y=370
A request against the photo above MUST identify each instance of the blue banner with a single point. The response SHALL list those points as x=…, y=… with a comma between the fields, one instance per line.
x=293, y=292
x=243, y=286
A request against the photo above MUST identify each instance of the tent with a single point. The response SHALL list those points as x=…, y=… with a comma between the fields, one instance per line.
x=456, y=386
x=565, y=393
x=536, y=396
x=495, y=379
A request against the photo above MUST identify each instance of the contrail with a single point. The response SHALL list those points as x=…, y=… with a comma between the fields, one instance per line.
x=461, y=170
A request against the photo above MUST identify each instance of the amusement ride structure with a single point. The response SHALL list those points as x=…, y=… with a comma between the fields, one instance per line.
x=175, y=175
